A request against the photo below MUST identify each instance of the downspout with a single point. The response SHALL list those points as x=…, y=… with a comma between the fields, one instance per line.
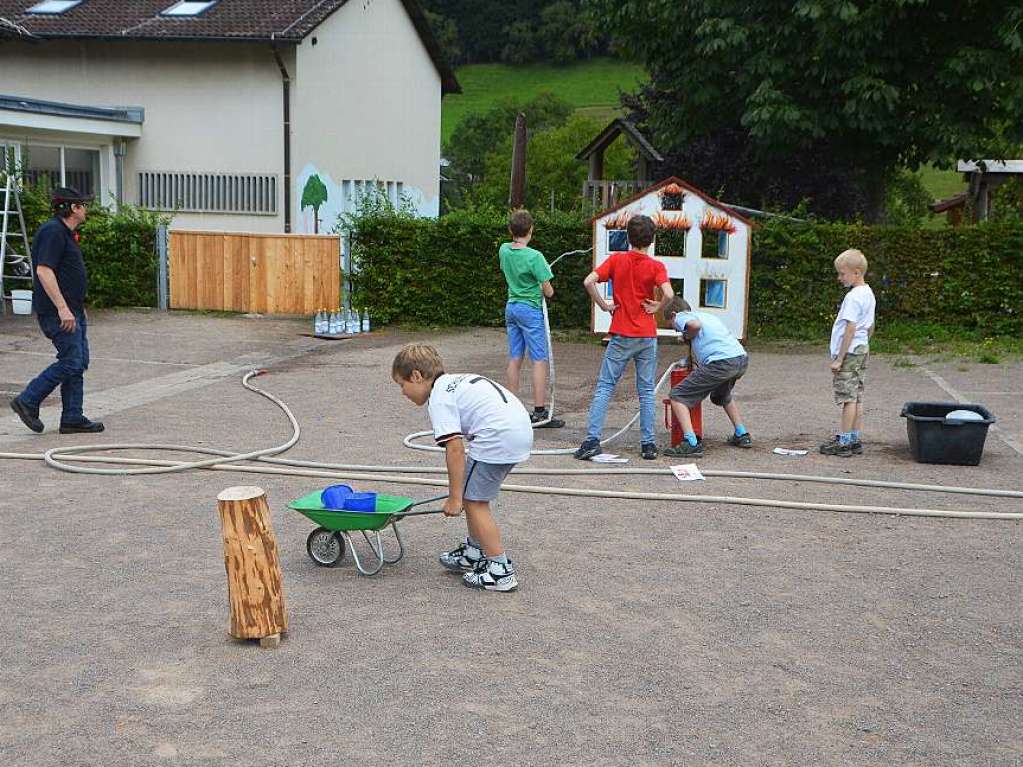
x=119, y=152
x=286, y=84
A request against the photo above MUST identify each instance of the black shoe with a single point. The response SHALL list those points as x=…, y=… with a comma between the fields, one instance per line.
x=648, y=450
x=588, y=449
x=834, y=447
x=743, y=440
x=82, y=427
x=28, y=416
x=685, y=450
x=537, y=418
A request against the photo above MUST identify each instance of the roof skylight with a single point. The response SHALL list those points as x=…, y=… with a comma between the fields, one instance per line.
x=189, y=8
x=54, y=7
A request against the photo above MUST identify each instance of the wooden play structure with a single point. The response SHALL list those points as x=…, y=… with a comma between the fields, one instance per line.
x=704, y=244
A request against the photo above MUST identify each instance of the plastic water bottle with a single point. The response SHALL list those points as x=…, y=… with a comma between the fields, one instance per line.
x=332, y=324
x=365, y=320
x=351, y=322
x=318, y=323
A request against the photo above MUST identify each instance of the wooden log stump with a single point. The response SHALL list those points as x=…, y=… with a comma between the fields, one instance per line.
x=255, y=589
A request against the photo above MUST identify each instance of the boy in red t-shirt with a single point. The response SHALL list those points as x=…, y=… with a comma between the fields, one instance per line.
x=633, y=310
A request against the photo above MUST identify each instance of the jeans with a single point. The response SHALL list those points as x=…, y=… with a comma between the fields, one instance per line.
x=66, y=372
x=617, y=355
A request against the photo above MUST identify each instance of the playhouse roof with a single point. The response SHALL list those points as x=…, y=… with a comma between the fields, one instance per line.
x=685, y=185
x=284, y=21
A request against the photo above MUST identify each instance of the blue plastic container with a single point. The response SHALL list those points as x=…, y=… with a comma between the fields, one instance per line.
x=334, y=497
x=361, y=502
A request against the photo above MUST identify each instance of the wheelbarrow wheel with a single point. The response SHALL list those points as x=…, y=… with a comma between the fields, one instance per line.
x=325, y=547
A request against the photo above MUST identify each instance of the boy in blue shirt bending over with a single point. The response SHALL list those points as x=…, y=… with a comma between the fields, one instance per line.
x=720, y=361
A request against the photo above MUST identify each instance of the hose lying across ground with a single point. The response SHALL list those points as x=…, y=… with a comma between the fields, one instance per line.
x=69, y=459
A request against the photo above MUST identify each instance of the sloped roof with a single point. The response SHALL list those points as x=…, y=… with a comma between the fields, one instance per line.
x=685, y=185
x=286, y=21
x=615, y=128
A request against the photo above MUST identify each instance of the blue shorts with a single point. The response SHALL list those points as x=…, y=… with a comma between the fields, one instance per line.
x=525, y=331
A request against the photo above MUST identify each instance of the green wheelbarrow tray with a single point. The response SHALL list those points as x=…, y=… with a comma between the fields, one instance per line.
x=326, y=544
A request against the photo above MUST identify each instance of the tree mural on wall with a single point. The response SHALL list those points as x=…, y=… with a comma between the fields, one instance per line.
x=313, y=196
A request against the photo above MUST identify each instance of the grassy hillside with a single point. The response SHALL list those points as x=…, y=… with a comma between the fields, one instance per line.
x=590, y=86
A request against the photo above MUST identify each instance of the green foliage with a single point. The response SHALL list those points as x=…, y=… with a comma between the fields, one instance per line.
x=906, y=200
x=517, y=31
x=119, y=249
x=965, y=281
x=551, y=167
x=445, y=271
x=313, y=196
x=478, y=135
x=870, y=85
x=593, y=85
x=446, y=32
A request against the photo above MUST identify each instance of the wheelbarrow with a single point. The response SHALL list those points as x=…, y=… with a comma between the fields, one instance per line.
x=326, y=545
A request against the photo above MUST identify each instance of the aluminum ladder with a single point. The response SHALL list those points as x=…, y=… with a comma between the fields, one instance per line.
x=15, y=255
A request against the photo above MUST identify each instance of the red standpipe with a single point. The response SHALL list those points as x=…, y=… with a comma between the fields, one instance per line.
x=678, y=374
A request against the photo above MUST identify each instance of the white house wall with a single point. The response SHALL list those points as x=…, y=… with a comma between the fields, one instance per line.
x=692, y=267
x=208, y=107
x=369, y=100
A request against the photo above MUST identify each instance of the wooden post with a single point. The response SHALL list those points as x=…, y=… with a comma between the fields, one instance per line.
x=517, y=193
x=255, y=589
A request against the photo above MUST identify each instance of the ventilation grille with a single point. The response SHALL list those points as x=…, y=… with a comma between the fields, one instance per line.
x=250, y=193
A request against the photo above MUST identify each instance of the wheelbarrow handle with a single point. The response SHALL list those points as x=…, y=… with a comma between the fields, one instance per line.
x=403, y=514
x=428, y=500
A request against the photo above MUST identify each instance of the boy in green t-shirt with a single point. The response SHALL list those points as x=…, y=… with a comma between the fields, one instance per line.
x=529, y=280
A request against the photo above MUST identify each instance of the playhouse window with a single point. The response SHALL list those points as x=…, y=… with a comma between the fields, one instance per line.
x=715, y=244
x=617, y=240
x=670, y=242
x=713, y=293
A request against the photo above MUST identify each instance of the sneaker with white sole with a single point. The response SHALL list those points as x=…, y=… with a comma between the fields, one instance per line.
x=492, y=576
x=463, y=558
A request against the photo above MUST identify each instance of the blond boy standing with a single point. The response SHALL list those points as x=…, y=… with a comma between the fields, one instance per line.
x=850, y=347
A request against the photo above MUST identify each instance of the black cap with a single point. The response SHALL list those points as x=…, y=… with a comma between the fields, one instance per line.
x=67, y=194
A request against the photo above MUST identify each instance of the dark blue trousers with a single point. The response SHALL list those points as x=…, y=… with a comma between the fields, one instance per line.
x=67, y=372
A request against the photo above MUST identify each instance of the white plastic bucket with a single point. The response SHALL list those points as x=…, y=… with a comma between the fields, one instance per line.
x=21, y=301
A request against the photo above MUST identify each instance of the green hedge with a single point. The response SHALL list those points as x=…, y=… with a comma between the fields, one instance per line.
x=119, y=250
x=445, y=272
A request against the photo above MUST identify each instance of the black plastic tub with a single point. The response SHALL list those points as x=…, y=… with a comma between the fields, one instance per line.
x=933, y=439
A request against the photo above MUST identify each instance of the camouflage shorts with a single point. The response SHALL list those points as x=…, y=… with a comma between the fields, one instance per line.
x=848, y=381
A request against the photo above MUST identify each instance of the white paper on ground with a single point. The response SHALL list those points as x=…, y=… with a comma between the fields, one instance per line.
x=790, y=451
x=686, y=472
x=608, y=458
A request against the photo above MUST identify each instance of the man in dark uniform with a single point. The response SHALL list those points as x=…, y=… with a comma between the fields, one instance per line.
x=59, y=300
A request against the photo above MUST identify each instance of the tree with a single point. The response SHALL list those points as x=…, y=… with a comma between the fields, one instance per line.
x=446, y=32
x=313, y=196
x=552, y=172
x=477, y=135
x=863, y=86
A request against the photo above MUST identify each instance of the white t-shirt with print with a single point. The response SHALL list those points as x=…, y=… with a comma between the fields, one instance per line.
x=858, y=308
x=488, y=416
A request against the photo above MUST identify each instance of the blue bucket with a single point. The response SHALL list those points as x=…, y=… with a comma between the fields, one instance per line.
x=334, y=497
x=361, y=502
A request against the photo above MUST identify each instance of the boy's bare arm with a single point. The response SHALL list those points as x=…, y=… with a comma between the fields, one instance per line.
x=590, y=283
x=654, y=307
x=547, y=288
x=843, y=349
x=454, y=458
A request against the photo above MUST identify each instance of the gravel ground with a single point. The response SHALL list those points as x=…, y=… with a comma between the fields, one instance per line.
x=642, y=634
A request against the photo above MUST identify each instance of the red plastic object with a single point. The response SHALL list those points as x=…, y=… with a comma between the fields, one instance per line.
x=678, y=374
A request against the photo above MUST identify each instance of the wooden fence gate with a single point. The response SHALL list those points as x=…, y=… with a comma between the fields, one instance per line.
x=265, y=273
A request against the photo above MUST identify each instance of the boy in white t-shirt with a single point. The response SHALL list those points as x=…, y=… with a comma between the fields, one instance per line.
x=470, y=408
x=850, y=339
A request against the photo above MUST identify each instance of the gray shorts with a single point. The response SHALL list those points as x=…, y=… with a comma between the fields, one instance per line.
x=483, y=480
x=715, y=378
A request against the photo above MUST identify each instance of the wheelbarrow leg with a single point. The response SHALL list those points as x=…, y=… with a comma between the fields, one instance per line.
x=376, y=550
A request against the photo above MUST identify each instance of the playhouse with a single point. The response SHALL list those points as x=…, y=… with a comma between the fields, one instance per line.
x=704, y=244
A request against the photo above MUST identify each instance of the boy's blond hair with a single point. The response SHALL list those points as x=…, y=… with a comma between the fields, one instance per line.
x=421, y=357
x=520, y=222
x=852, y=258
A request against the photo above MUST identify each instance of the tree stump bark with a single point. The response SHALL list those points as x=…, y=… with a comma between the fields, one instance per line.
x=255, y=589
